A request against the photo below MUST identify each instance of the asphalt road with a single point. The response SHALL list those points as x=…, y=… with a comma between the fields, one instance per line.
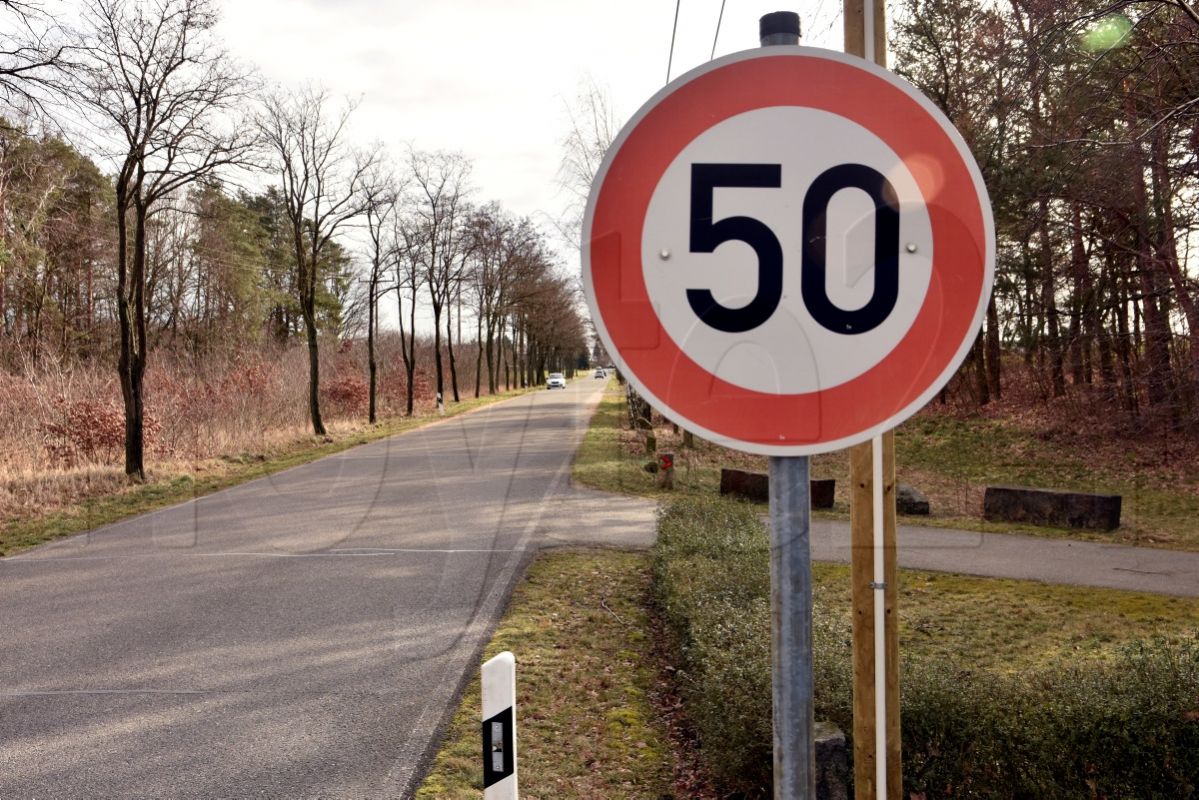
x=1035, y=558
x=300, y=636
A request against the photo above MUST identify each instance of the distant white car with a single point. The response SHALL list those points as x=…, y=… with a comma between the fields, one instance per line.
x=556, y=380
x=599, y=372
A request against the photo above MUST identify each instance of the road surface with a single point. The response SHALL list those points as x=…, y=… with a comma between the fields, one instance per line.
x=300, y=636
x=1035, y=558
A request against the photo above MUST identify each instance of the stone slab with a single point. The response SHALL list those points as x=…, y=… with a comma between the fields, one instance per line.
x=1100, y=512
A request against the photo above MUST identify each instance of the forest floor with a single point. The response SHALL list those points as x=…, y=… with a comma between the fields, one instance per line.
x=950, y=455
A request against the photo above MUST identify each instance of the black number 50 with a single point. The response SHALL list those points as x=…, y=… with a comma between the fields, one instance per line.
x=708, y=234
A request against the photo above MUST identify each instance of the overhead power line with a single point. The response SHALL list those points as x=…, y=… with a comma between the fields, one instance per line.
x=673, y=32
x=719, y=20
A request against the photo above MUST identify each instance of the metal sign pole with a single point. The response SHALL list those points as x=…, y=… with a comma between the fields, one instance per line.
x=791, y=628
x=790, y=579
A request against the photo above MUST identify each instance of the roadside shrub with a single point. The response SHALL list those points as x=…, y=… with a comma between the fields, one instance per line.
x=1124, y=728
x=712, y=585
x=90, y=430
x=347, y=393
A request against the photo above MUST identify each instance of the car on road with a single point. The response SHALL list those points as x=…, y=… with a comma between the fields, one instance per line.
x=599, y=372
x=556, y=380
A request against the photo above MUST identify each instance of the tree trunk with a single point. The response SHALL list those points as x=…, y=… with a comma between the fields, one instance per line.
x=314, y=371
x=982, y=391
x=1080, y=344
x=1103, y=338
x=994, y=353
x=1168, y=250
x=125, y=360
x=437, y=351
x=307, y=282
x=1124, y=348
x=372, y=316
x=1160, y=381
x=371, y=359
x=407, y=345
x=133, y=344
x=478, y=354
x=504, y=356
x=1053, y=334
x=491, y=380
x=449, y=346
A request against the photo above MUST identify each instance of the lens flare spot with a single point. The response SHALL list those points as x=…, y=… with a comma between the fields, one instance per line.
x=929, y=175
x=1107, y=34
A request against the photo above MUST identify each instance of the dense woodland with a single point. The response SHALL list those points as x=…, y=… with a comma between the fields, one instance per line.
x=128, y=238
x=1084, y=118
x=169, y=226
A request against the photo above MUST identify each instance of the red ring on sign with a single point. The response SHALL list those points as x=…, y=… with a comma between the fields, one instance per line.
x=958, y=273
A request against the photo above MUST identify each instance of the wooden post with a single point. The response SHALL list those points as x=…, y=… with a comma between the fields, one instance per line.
x=862, y=523
x=855, y=29
x=862, y=578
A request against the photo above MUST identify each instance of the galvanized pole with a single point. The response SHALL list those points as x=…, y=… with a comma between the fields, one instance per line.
x=791, y=628
x=790, y=578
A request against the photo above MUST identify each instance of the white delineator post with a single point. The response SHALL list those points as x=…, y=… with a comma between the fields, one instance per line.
x=499, y=728
x=880, y=617
x=880, y=576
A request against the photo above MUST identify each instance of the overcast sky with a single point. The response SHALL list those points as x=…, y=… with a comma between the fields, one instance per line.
x=492, y=79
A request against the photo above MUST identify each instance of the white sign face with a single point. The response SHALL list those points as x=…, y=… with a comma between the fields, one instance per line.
x=788, y=250
x=790, y=353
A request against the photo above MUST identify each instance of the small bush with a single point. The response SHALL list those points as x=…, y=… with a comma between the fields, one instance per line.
x=712, y=584
x=1123, y=728
x=90, y=430
x=347, y=393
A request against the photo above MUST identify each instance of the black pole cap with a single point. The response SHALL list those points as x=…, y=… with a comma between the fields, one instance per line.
x=779, y=22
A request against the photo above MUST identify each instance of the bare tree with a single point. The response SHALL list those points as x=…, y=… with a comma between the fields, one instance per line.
x=501, y=247
x=168, y=96
x=381, y=198
x=592, y=127
x=323, y=179
x=439, y=200
x=408, y=246
x=33, y=55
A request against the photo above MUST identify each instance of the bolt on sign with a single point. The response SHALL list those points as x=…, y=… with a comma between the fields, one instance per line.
x=788, y=250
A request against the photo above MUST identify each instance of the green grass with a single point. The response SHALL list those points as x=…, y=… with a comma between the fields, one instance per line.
x=951, y=460
x=23, y=533
x=955, y=458
x=612, y=457
x=586, y=726
x=1008, y=625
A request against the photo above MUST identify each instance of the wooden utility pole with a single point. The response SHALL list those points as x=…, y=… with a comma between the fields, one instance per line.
x=865, y=36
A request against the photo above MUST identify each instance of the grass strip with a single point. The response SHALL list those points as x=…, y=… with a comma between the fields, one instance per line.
x=584, y=678
x=23, y=533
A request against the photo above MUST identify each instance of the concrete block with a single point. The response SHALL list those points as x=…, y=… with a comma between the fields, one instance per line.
x=1100, y=512
x=756, y=486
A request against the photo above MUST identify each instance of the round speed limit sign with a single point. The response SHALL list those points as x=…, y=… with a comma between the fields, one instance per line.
x=788, y=250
